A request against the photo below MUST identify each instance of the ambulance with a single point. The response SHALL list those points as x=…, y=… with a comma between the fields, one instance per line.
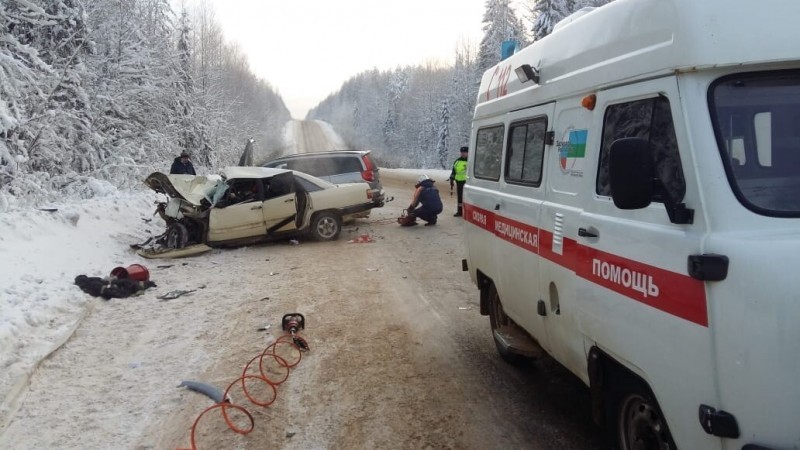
x=633, y=211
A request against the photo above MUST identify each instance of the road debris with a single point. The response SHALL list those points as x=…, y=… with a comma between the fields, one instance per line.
x=362, y=239
x=174, y=294
x=212, y=392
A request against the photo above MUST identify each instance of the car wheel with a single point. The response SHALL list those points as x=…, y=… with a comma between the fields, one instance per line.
x=177, y=236
x=503, y=325
x=636, y=419
x=326, y=226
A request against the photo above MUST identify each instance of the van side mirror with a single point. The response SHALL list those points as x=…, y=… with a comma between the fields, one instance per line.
x=633, y=180
x=631, y=173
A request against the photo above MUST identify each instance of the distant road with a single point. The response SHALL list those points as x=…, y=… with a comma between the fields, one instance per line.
x=310, y=136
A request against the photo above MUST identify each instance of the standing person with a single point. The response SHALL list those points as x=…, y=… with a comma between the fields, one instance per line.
x=459, y=177
x=182, y=165
x=427, y=197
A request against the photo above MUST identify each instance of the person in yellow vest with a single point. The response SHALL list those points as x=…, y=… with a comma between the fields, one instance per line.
x=459, y=177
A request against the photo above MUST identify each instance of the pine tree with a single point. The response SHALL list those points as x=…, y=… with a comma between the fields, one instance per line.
x=444, y=133
x=547, y=13
x=22, y=76
x=63, y=42
x=189, y=134
x=500, y=23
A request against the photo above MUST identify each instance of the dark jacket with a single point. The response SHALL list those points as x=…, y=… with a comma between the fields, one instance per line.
x=179, y=167
x=429, y=197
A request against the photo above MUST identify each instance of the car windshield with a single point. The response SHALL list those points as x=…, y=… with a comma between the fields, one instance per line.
x=756, y=119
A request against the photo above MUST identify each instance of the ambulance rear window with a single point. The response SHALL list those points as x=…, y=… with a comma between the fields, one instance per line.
x=488, y=151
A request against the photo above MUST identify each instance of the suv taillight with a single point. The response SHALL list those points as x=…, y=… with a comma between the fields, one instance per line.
x=368, y=174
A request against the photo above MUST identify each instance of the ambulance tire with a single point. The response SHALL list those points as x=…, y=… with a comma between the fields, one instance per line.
x=498, y=319
x=634, y=419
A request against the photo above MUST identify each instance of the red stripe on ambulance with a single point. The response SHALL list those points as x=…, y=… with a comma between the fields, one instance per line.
x=673, y=293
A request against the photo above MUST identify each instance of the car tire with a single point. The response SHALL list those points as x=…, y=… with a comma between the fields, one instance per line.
x=326, y=226
x=177, y=236
x=498, y=320
x=634, y=419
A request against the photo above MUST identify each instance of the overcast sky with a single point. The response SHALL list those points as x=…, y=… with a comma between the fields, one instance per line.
x=307, y=48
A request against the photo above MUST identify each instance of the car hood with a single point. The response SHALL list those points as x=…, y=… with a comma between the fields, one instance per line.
x=192, y=188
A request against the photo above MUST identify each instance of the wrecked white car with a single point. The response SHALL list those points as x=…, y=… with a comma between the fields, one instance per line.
x=251, y=204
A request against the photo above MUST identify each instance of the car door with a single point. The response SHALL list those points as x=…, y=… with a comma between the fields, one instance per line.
x=243, y=217
x=280, y=205
x=637, y=299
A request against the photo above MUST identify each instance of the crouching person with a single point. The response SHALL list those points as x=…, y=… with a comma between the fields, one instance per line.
x=426, y=204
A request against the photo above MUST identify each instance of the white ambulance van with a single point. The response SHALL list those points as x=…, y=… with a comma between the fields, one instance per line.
x=633, y=210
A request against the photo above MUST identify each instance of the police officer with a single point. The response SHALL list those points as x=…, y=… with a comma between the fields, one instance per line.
x=459, y=177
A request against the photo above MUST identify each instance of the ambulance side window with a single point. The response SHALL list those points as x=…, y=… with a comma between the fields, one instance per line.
x=649, y=119
x=488, y=151
x=526, y=152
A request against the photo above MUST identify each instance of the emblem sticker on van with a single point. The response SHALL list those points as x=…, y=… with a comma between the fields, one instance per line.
x=571, y=152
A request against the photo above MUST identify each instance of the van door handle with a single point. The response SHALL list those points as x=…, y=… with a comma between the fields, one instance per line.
x=289, y=200
x=583, y=232
x=253, y=208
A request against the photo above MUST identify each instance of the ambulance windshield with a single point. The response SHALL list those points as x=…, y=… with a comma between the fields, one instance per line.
x=757, y=123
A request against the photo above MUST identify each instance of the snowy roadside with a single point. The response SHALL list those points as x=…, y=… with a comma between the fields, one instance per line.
x=41, y=252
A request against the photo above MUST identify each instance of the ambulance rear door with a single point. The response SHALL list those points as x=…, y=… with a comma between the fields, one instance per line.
x=517, y=211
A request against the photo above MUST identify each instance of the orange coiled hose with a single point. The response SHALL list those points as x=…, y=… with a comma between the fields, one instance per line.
x=294, y=342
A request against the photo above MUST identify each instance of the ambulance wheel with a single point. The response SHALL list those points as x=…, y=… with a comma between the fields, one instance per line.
x=635, y=419
x=326, y=226
x=177, y=236
x=502, y=325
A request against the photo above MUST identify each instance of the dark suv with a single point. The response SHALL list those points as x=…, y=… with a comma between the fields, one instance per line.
x=336, y=166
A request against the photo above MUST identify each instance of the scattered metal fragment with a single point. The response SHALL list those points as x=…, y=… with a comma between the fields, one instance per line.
x=174, y=294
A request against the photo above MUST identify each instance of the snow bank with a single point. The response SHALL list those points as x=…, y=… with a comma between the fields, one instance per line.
x=41, y=252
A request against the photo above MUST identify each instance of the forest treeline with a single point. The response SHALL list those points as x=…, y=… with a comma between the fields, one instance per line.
x=104, y=91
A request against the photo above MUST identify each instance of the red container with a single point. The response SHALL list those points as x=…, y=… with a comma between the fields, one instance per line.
x=136, y=272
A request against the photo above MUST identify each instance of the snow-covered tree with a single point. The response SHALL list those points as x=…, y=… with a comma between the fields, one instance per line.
x=500, y=23
x=545, y=14
x=105, y=89
x=444, y=134
x=22, y=74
